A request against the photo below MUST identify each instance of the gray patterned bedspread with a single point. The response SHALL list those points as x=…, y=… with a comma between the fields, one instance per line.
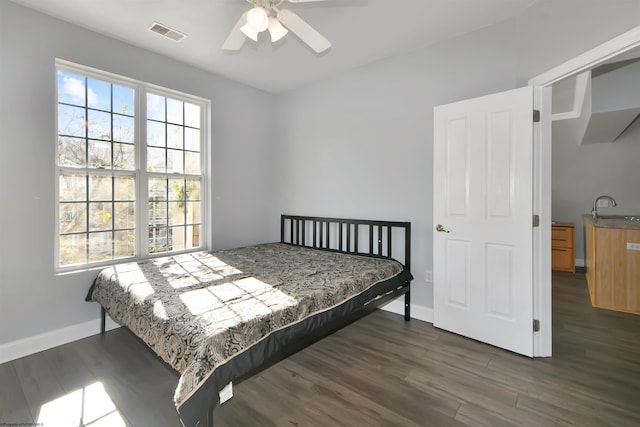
x=198, y=310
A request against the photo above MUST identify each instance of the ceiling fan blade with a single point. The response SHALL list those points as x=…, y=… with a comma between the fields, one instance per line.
x=307, y=34
x=236, y=38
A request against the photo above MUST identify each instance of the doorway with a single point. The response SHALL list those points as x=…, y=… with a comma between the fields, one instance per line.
x=542, y=85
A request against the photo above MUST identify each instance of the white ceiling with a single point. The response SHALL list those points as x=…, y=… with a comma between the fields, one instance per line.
x=362, y=31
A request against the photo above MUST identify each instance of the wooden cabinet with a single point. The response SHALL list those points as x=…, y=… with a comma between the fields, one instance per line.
x=562, y=247
x=613, y=270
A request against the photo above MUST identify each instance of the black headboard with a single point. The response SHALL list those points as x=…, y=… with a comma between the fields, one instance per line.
x=355, y=236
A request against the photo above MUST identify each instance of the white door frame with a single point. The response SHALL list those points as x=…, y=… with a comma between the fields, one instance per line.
x=542, y=174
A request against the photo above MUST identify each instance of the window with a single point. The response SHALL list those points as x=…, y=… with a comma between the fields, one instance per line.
x=130, y=173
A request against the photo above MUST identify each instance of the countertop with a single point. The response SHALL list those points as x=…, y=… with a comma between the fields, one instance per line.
x=612, y=222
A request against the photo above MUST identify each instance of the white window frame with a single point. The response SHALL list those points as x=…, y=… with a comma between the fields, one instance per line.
x=140, y=174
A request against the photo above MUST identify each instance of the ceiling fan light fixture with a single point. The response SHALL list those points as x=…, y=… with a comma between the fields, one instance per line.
x=250, y=32
x=258, y=19
x=276, y=29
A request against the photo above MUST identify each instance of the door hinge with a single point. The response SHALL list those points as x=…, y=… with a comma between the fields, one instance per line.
x=536, y=325
x=536, y=116
x=536, y=220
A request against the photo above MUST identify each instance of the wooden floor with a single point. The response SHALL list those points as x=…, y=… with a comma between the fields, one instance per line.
x=380, y=371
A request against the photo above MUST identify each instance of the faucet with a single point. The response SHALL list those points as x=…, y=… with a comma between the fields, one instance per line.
x=594, y=211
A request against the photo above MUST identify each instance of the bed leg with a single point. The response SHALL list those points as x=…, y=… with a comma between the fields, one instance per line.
x=407, y=306
x=103, y=321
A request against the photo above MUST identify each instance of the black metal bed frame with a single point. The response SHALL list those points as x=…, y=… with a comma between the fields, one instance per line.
x=351, y=236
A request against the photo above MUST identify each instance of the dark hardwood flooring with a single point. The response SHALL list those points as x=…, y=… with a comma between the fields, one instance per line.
x=380, y=371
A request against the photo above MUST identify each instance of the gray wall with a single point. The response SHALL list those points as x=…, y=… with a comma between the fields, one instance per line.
x=359, y=145
x=552, y=32
x=33, y=299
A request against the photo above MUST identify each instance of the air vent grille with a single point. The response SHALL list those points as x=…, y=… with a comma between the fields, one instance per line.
x=167, y=32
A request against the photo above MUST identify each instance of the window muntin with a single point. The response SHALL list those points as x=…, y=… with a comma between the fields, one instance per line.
x=103, y=169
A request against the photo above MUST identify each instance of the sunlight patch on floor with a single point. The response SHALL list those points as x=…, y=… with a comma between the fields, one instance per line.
x=90, y=406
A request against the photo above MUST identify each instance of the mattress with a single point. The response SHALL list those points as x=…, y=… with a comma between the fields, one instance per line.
x=199, y=311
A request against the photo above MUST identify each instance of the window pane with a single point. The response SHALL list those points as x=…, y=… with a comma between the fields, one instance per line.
x=71, y=121
x=158, y=239
x=177, y=238
x=158, y=202
x=71, y=89
x=73, y=188
x=176, y=213
x=156, y=159
x=193, y=236
x=99, y=125
x=124, y=215
x=124, y=244
x=193, y=189
x=99, y=154
x=73, y=217
x=174, y=137
x=123, y=128
x=156, y=134
x=176, y=189
x=174, y=111
x=100, y=246
x=191, y=115
x=72, y=152
x=123, y=100
x=175, y=161
x=155, y=107
x=193, y=212
x=73, y=249
x=158, y=212
x=124, y=188
x=100, y=188
x=100, y=216
x=191, y=139
x=124, y=157
x=99, y=95
x=192, y=162
x=158, y=188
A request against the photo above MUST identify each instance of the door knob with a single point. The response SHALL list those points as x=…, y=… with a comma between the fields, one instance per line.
x=441, y=229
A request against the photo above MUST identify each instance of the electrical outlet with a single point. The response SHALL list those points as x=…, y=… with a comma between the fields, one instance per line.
x=604, y=203
x=633, y=246
x=429, y=276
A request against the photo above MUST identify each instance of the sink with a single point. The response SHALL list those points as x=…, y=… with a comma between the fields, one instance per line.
x=621, y=217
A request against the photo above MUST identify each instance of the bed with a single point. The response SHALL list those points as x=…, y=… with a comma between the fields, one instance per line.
x=219, y=317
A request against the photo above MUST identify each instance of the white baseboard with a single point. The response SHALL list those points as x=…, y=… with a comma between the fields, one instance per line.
x=31, y=345
x=417, y=311
x=579, y=262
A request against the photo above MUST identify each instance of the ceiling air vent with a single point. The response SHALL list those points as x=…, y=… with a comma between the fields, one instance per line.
x=163, y=30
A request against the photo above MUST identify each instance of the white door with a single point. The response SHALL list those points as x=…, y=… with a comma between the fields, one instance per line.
x=483, y=207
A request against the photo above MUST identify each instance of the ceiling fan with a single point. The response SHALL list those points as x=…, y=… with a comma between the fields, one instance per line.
x=266, y=15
